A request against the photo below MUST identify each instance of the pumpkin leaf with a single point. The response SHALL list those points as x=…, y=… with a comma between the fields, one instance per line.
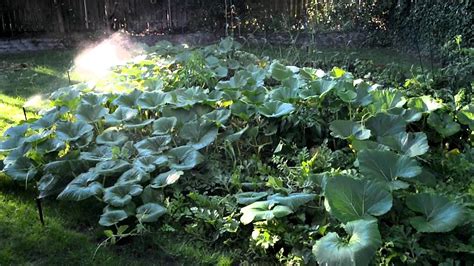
x=153, y=146
x=347, y=129
x=351, y=199
x=386, y=166
x=111, y=137
x=121, y=195
x=184, y=158
x=263, y=210
x=275, y=109
x=439, y=215
x=110, y=218
x=150, y=212
x=359, y=249
x=69, y=131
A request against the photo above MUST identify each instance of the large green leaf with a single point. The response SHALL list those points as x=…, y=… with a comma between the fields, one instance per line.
x=184, y=158
x=121, y=115
x=82, y=187
x=359, y=249
x=424, y=104
x=275, y=109
x=21, y=170
x=199, y=135
x=246, y=198
x=294, y=200
x=383, y=124
x=46, y=121
x=319, y=88
x=347, y=129
x=68, y=131
x=121, y=195
x=133, y=176
x=153, y=100
x=351, y=199
x=466, y=116
x=90, y=113
x=164, y=125
x=443, y=123
x=150, y=212
x=98, y=154
x=284, y=94
x=218, y=116
x=384, y=100
x=94, y=98
x=112, y=167
x=263, y=210
x=411, y=144
x=166, y=178
x=280, y=72
x=386, y=166
x=111, y=137
x=439, y=215
x=128, y=100
x=150, y=162
x=153, y=146
x=110, y=218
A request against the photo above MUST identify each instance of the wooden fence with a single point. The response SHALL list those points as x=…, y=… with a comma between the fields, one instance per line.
x=139, y=16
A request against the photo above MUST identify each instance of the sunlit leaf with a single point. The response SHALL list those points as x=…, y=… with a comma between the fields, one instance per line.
x=363, y=241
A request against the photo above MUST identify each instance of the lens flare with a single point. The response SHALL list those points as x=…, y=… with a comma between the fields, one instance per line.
x=95, y=62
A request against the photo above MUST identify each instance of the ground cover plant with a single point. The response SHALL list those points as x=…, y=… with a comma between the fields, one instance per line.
x=266, y=162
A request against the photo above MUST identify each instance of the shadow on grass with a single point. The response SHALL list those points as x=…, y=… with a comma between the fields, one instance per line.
x=71, y=234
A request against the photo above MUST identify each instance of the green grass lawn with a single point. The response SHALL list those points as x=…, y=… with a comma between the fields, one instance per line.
x=71, y=235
